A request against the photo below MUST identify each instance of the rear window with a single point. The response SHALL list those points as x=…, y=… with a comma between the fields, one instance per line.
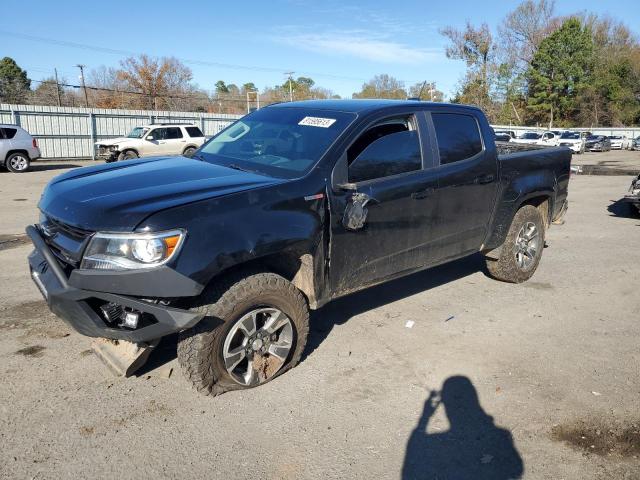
x=8, y=132
x=458, y=136
x=194, y=132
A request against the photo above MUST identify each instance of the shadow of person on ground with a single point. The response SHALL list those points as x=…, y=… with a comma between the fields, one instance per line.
x=339, y=311
x=623, y=209
x=473, y=447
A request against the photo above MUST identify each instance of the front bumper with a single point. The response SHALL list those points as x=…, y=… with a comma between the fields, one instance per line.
x=74, y=305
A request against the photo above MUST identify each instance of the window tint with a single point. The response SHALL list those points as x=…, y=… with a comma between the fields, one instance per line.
x=458, y=136
x=172, y=133
x=9, y=132
x=194, y=132
x=398, y=152
x=158, y=133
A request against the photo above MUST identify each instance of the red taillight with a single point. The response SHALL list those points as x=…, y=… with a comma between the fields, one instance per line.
x=35, y=143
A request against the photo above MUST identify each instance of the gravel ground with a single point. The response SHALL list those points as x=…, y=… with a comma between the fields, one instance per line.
x=492, y=381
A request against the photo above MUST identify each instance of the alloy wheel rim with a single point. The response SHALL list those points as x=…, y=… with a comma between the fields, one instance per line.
x=257, y=346
x=526, y=246
x=19, y=163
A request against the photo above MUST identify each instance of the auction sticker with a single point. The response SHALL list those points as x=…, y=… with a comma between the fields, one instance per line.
x=317, y=122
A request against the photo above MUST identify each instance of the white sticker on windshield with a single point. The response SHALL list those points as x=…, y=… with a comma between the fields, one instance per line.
x=317, y=122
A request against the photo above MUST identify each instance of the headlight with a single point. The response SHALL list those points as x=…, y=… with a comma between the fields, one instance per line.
x=125, y=251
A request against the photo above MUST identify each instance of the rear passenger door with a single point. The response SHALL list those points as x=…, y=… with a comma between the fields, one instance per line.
x=467, y=171
x=174, y=141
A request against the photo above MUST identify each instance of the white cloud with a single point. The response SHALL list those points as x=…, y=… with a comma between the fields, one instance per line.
x=359, y=44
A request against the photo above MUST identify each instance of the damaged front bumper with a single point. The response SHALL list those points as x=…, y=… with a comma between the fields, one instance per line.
x=81, y=308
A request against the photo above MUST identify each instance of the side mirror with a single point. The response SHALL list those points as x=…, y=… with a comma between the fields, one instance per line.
x=150, y=138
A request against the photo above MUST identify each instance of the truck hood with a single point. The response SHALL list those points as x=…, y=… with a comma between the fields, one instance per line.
x=118, y=196
x=115, y=141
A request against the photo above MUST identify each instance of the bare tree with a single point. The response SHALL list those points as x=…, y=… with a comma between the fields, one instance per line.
x=382, y=86
x=157, y=78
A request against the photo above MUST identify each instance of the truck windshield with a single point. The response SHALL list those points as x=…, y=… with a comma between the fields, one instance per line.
x=283, y=142
x=137, y=132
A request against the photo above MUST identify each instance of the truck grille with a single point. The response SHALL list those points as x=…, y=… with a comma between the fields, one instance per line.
x=66, y=242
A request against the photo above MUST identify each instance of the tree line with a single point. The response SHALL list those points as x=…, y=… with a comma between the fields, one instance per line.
x=146, y=82
x=542, y=69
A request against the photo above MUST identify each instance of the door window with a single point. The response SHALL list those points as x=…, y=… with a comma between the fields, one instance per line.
x=389, y=148
x=458, y=136
x=158, y=134
x=173, y=133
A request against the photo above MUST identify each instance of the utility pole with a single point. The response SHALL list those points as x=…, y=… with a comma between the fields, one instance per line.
x=290, y=85
x=84, y=87
x=55, y=70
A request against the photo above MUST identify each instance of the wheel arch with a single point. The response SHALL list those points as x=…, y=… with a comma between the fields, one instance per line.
x=16, y=150
x=296, y=267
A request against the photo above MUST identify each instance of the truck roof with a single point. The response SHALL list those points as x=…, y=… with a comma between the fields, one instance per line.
x=360, y=105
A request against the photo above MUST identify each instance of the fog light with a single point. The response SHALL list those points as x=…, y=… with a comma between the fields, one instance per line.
x=130, y=320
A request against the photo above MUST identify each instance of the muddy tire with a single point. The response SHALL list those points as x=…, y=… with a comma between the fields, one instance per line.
x=206, y=351
x=128, y=155
x=522, y=249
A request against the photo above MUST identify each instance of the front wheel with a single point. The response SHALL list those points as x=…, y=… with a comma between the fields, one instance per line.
x=255, y=328
x=522, y=249
x=189, y=152
x=17, y=163
x=128, y=155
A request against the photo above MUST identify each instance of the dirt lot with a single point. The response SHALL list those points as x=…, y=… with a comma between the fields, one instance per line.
x=539, y=380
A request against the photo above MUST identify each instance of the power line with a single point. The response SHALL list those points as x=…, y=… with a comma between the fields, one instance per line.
x=186, y=95
x=114, y=51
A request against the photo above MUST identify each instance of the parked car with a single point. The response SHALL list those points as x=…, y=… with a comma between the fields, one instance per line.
x=17, y=148
x=620, y=142
x=157, y=139
x=598, y=143
x=531, y=138
x=292, y=206
x=550, y=138
x=574, y=140
x=502, y=136
x=635, y=144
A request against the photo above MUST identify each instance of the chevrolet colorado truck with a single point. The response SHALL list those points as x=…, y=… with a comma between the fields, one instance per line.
x=290, y=207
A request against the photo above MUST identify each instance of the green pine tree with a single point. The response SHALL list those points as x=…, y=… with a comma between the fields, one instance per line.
x=560, y=71
x=14, y=84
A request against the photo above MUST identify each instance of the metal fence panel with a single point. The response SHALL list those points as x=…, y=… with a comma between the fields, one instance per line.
x=70, y=132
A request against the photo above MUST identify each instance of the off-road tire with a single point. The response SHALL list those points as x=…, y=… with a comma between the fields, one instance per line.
x=12, y=158
x=200, y=347
x=128, y=155
x=505, y=268
x=188, y=152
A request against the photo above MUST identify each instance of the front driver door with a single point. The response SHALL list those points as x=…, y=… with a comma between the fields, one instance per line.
x=386, y=172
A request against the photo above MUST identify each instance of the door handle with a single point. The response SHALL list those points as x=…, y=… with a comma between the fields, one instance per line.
x=482, y=179
x=427, y=192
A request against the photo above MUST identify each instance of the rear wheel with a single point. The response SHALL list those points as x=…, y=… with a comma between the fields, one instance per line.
x=189, y=152
x=522, y=249
x=255, y=328
x=18, y=163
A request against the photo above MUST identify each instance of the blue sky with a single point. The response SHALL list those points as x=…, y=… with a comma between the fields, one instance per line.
x=340, y=44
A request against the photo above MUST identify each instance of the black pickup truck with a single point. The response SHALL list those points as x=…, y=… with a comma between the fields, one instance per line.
x=288, y=208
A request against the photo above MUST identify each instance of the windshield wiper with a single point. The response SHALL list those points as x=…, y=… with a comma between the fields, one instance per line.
x=238, y=167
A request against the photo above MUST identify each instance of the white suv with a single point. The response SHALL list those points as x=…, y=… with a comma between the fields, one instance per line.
x=157, y=139
x=17, y=148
